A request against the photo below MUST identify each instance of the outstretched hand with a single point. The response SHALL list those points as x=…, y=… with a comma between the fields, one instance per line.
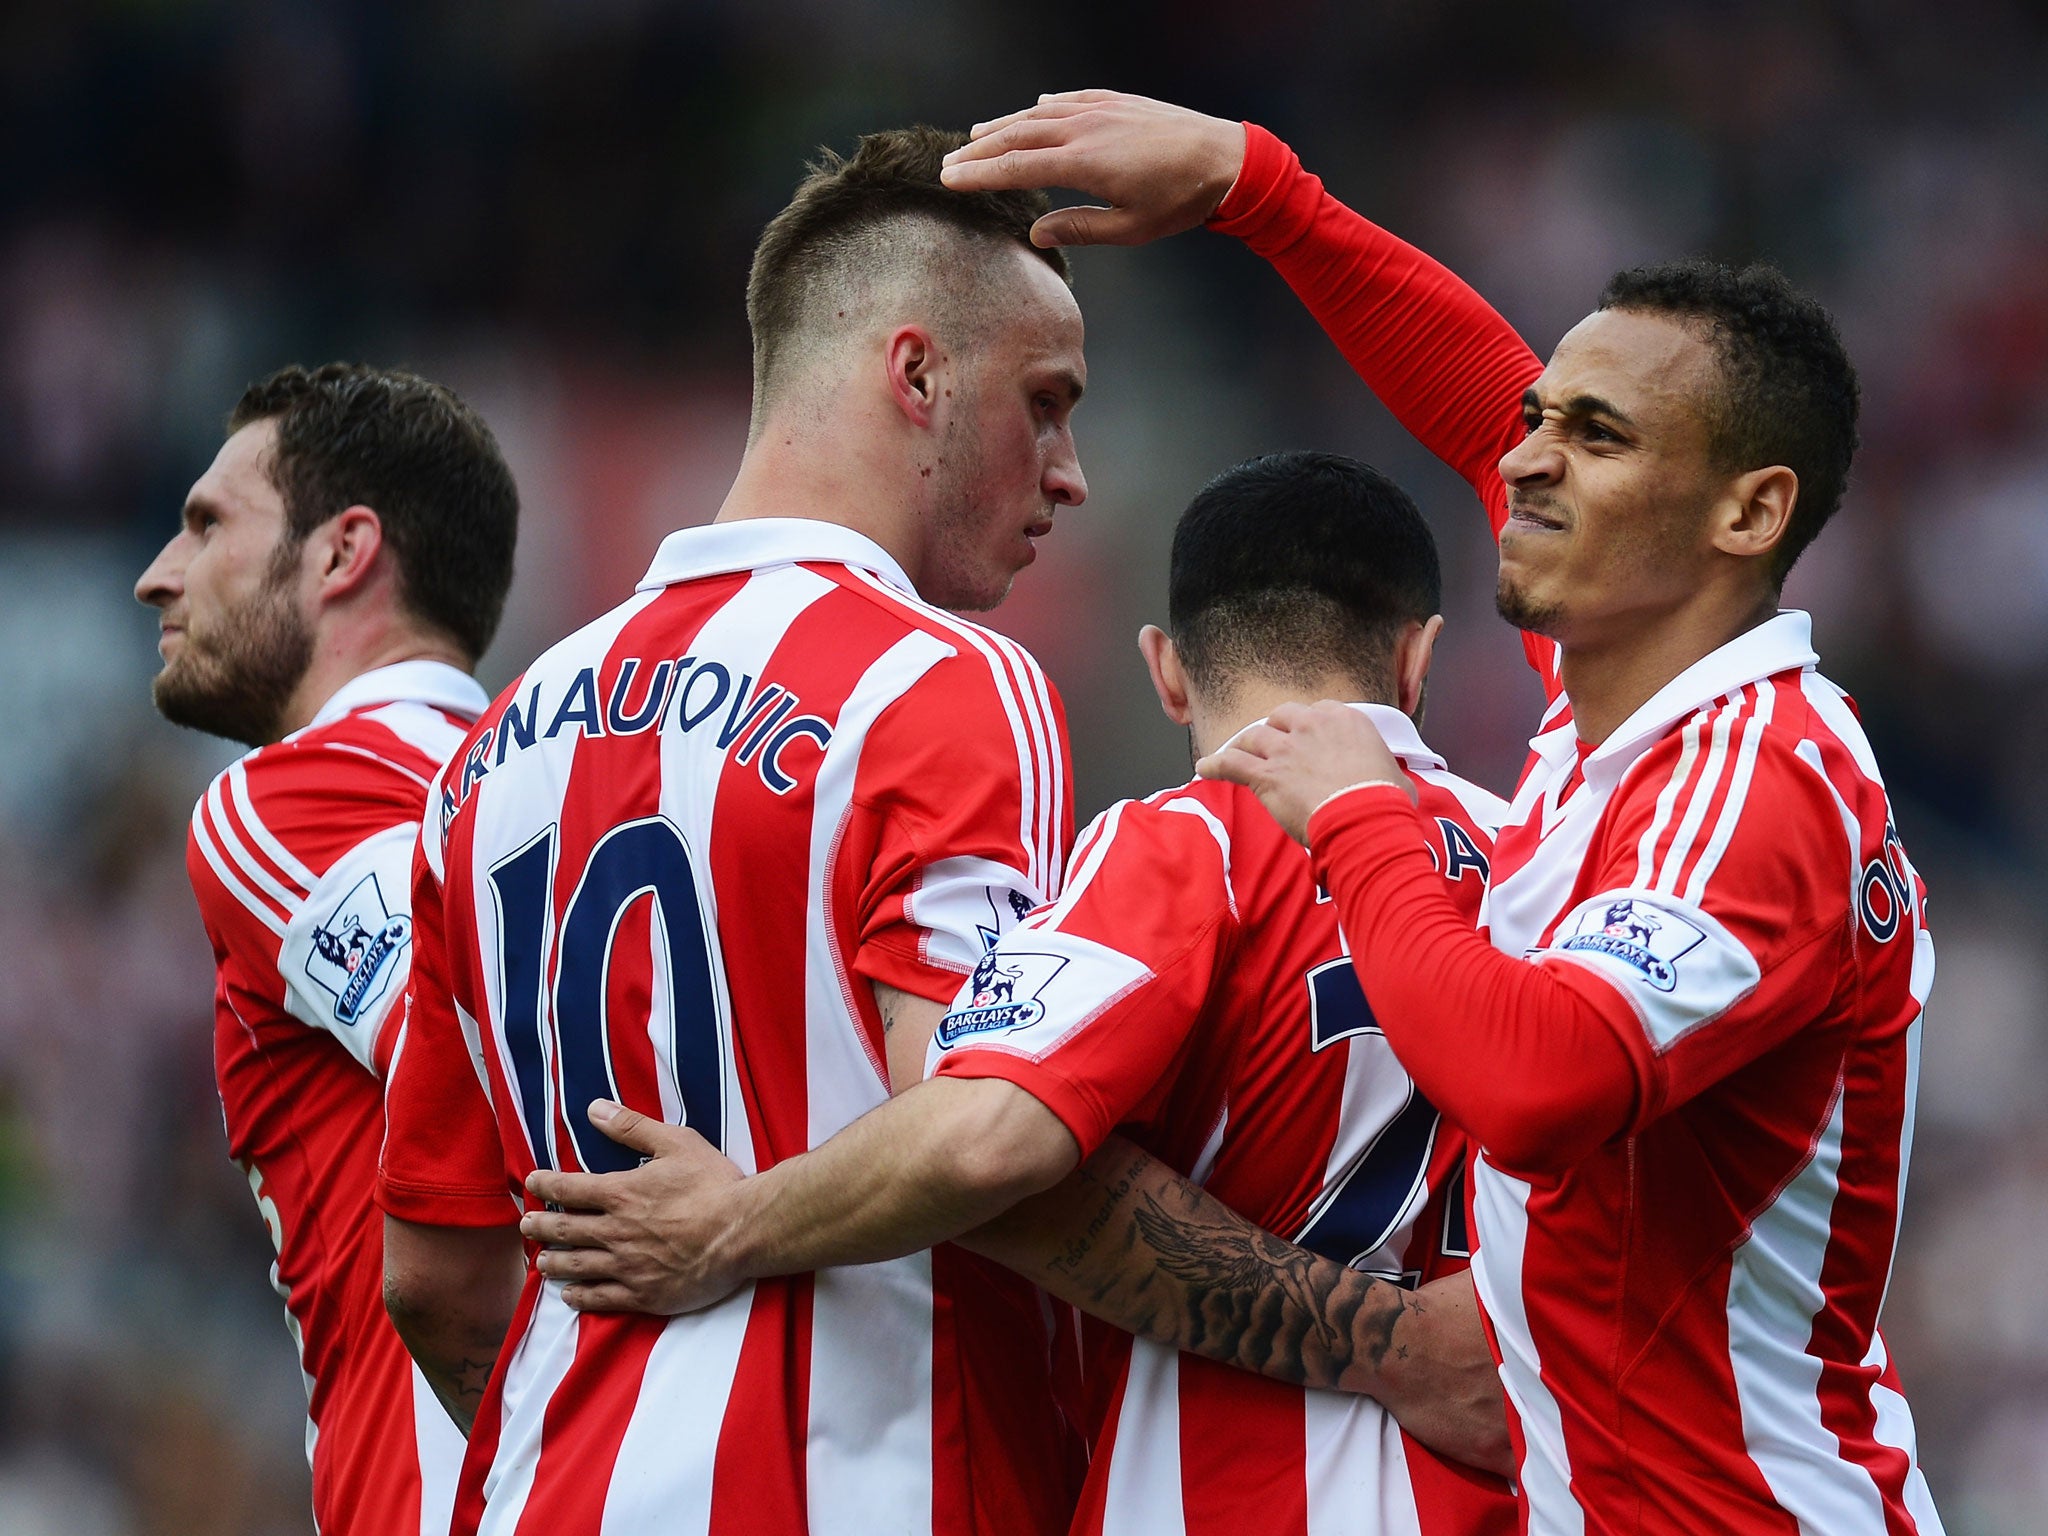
x=1158, y=168
x=644, y=1240
x=1301, y=755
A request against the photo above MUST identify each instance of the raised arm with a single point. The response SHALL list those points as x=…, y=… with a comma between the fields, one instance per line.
x=1445, y=363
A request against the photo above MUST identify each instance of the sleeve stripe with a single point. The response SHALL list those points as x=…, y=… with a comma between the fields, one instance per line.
x=1084, y=868
x=1036, y=842
x=252, y=870
x=1700, y=797
x=396, y=767
x=1688, y=751
x=1753, y=731
x=1216, y=831
x=202, y=839
x=286, y=861
x=1038, y=714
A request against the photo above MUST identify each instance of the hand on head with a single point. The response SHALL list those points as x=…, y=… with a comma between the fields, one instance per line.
x=641, y=1240
x=1301, y=755
x=1158, y=168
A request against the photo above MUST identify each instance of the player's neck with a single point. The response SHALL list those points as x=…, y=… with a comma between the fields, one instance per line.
x=839, y=469
x=1611, y=674
x=1252, y=700
x=339, y=660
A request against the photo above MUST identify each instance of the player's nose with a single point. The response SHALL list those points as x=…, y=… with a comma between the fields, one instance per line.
x=1535, y=460
x=1063, y=482
x=164, y=579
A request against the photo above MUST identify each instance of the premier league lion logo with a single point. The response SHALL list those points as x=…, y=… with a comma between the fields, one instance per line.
x=1002, y=993
x=1627, y=930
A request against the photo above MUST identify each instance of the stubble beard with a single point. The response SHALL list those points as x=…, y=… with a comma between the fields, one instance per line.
x=238, y=681
x=1523, y=611
x=958, y=576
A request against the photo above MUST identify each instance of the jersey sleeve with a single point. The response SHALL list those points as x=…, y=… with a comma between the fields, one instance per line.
x=308, y=853
x=1722, y=909
x=1442, y=359
x=966, y=778
x=1088, y=1004
x=442, y=1162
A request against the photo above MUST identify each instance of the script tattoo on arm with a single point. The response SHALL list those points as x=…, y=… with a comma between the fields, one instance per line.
x=1130, y=1241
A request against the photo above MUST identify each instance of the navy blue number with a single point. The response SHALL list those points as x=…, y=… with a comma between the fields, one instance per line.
x=639, y=860
x=1357, y=1214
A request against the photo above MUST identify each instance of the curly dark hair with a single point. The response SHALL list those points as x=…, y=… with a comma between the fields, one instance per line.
x=827, y=237
x=1789, y=394
x=351, y=435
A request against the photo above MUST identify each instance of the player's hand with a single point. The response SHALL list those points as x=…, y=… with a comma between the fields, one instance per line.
x=647, y=1239
x=1301, y=755
x=1158, y=168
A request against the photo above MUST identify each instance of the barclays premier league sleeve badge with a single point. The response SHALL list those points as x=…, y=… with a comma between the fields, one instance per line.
x=353, y=949
x=1001, y=995
x=1650, y=939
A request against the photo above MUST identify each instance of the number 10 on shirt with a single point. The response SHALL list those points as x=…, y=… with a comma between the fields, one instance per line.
x=555, y=1015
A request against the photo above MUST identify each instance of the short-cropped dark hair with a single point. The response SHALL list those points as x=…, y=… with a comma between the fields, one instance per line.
x=828, y=230
x=1789, y=394
x=1296, y=566
x=410, y=450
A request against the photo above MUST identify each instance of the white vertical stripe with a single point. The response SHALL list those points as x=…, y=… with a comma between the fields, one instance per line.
x=1702, y=793
x=541, y=1357
x=238, y=785
x=1753, y=730
x=1774, y=1294
x=871, y=1326
x=1501, y=1207
x=1143, y=1494
x=261, y=910
x=1688, y=753
x=440, y=1446
x=1895, y=1428
x=1032, y=850
x=1084, y=870
x=662, y=1477
x=1216, y=830
x=1357, y=1468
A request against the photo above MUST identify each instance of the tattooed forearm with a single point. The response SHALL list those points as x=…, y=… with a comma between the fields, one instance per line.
x=1130, y=1241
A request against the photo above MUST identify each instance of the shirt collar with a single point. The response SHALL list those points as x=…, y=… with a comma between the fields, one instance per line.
x=1779, y=644
x=1400, y=735
x=715, y=549
x=433, y=683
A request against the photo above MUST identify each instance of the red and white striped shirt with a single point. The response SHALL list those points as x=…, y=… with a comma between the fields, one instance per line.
x=1687, y=1319
x=1192, y=987
x=301, y=857
x=665, y=867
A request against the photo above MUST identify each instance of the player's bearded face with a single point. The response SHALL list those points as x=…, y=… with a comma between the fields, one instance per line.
x=240, y=662
x=1608, y=493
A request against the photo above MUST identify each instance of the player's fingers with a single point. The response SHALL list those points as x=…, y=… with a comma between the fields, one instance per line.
x=608, y=1296
x=562, y=1229
x=1050, y=165
x=572, y=1191
x=1088, y=225
x=1045, y=108
x=1233, y=764
x=581, y=1264
x=1084, y=98
x=1290, y=717
x=645, y=1135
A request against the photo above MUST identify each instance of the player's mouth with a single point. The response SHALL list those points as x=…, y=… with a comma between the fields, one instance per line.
x=1534, y=519
x=173, y=636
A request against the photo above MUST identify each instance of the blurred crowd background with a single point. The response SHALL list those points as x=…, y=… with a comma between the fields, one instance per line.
x=550, y=205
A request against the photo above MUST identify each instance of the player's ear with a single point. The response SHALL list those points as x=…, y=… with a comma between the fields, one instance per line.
x=1413, y=653
x=1753, y=518
x=913, y=365
x=1169, y=677
x=345, y=550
